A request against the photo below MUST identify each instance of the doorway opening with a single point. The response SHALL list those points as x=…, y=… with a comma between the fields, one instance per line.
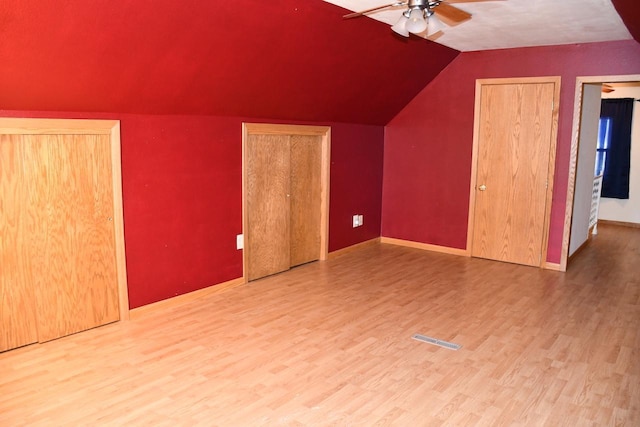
x=588, y=95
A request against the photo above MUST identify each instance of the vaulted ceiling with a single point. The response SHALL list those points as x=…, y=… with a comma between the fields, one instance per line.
x=276, y=59
x=501, y=24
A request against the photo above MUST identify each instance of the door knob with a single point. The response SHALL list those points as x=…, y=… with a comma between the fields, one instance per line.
x=482, y=187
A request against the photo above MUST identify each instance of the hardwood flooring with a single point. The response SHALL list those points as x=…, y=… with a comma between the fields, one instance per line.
x=330, y=344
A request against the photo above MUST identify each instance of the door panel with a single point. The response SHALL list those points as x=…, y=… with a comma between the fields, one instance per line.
x=17, y=311
x=267, y=202
x=306, y=158
x=78, y=290
x=58, y=243
x=513, y=159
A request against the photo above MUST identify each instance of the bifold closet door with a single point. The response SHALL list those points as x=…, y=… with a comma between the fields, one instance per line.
x=19, y=256
x=58, y=242
x=283, y=202
x=306, y=157
x=79, y=288
x=267, y=202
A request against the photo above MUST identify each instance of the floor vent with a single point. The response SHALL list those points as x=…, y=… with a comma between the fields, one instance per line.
x=436, y=341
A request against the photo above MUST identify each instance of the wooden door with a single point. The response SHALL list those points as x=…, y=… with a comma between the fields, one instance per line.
x=283, y=201
x=78, y=287
x=19, y=260
x=267, y=203
x=514, y=148
x=58, y=247
x=306, y=157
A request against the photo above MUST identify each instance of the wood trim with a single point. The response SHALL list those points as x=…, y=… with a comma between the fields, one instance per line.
x=28, y=126
x=179, y=300
x=573, y=159
x=355, y=247
x=573, y=168
x=552, y=266
x=552, y=154
x=22, y=126
x=618, y=223
x=518, y=80
x=283, y=129
x=325, y=185
x=553, y=144
x=245, y=223
x=118, y=221
x=425, y=246
x=474, y=166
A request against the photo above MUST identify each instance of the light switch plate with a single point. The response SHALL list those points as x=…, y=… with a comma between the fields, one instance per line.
x=240, y=241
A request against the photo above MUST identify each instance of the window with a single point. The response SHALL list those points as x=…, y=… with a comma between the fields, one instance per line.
x=604, y=142
x=617, y=115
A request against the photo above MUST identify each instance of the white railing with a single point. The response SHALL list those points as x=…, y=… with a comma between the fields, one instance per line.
x=595, y=203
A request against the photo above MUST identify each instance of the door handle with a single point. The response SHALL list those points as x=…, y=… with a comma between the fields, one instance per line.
x=482, y=187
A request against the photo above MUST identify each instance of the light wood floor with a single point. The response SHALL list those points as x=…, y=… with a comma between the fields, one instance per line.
x=330, y=344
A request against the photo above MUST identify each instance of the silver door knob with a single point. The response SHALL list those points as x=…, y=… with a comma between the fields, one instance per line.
x=482, y=187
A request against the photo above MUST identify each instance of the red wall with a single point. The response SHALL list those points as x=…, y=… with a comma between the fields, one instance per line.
x=182, y=191
x=356, y=183
x=427, y=154
x=284, y=59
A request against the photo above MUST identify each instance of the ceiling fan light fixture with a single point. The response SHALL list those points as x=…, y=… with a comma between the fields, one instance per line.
x=435, y=24
x=400, y=27
x=416, y=23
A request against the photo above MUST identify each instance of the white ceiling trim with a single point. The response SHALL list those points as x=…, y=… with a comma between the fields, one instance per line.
x=518, y=23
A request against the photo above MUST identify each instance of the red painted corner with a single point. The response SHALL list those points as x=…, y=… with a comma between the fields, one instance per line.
x=427, y=154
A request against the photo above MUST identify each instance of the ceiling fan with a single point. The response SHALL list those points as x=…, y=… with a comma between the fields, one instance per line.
x=425, y=18
x=607, y=88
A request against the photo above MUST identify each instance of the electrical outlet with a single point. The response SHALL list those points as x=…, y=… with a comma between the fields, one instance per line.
x=355, y=221
x=240, y=241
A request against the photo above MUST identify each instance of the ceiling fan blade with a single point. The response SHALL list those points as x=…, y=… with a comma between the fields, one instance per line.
x=373, y=9
x=433, y=37
x=451, y=15
x=607, y=88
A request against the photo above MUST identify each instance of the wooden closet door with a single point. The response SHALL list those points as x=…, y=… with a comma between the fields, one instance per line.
x=267, y=202
x=78, y=287
x=306, y=158
x=58, y=244
x=512, y=169
x=20, y=254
